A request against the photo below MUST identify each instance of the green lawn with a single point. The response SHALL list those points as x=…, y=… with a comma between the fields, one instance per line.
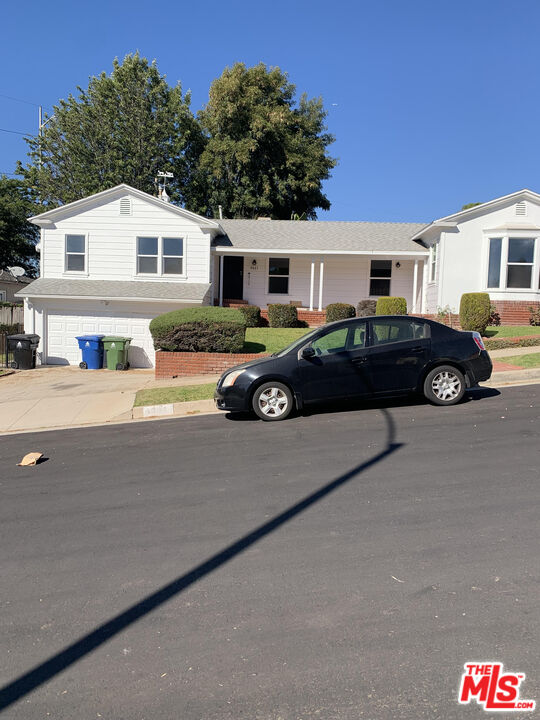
x=525, y=361
x=504, y=331
x=270, y=340
x=161, y=396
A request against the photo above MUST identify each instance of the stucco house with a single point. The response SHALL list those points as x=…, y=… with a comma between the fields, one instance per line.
x=113, y=261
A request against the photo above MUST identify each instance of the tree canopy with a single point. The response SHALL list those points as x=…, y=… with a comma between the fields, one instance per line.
x=125, y=127
x=265, y=154
x=17, y=236
x=470, y=205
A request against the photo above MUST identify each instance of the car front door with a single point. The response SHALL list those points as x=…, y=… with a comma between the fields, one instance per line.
x=337, y=367
x=398, y=352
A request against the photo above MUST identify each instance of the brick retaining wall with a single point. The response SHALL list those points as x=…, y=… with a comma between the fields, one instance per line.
x=175, y=364
x=515, y=312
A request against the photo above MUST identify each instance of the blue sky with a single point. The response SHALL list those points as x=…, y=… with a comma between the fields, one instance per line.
x=433, y=103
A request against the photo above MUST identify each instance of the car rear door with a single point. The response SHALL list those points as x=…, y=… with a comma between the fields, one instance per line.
x=399, y=350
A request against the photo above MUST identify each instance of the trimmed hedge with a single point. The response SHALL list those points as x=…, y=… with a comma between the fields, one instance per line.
x=365, y=308
x=199, y=329
x=282, y=316
x=252, y=315
x=502, y=343
x=339, y=311
x=474, y=311
x=391, y=306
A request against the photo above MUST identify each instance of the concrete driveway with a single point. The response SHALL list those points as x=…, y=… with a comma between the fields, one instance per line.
x=59, y=396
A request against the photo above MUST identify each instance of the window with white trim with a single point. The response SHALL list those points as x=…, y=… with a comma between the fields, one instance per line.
x=160, y=256
x=75, y=254
x=3, y=295
x=511, y=262
x=278, y=276
x=379, y=278
x=433, y=250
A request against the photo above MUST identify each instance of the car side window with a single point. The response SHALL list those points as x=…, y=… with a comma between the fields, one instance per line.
x=397, y=330
x=332, y=342
x=359, y=337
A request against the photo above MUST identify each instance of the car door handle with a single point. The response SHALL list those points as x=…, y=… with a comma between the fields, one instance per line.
x=359, y=360
x=417, y=349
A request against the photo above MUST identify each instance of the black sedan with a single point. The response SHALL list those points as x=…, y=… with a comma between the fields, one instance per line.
x=362, y=357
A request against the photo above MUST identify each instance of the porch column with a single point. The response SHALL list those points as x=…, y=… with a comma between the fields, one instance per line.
x=424, y=285
x=221, y=281
x=311, y=284
x=415, y=286
x=321, y=275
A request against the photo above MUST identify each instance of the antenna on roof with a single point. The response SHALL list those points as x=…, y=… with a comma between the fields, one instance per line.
x=17, y=271
x=161, y=187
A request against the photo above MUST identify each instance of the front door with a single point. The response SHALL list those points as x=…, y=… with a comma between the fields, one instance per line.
x=338, y=368
x=233, y=278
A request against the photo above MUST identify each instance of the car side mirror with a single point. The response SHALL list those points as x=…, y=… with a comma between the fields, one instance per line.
x=308, y=352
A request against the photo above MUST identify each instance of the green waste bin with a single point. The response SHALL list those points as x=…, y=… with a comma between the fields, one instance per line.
x=116, y=352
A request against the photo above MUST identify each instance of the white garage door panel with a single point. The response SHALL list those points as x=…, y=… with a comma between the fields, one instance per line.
x=62, y=329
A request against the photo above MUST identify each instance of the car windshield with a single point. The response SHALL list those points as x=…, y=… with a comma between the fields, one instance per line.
x=297, y=343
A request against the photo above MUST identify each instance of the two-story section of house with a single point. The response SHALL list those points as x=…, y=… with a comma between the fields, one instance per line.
x=109, y=264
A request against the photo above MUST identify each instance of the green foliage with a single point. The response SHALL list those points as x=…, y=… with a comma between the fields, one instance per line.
x=365, y=308
x=339, y=311
x=18, y=237
x=252, y=315
x=494, y=317
x=199, y=329
x=123, y=128
x=266, y=154
x=474, y=311
x=470, y=205
x=10, y=330
x=282, y=316
x=502, y=343
x=391, y=306
x=534, y=315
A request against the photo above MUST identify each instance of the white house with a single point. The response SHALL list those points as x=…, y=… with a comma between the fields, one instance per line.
x=113, y=261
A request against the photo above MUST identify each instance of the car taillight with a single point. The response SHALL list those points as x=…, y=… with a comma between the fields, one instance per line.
x=478, y=340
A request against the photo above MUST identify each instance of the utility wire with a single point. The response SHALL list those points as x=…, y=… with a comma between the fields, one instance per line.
x=26, y=102
x=15, y=132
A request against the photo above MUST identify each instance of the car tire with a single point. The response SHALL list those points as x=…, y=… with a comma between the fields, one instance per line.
x=272, y=401
x=444, y=385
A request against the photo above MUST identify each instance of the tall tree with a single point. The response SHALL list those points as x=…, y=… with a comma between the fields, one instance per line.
x=17, y=236
x=125, y=127
x=266, y=154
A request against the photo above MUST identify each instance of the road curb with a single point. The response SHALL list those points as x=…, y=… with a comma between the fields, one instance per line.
x=514, y=377
x=179, y=409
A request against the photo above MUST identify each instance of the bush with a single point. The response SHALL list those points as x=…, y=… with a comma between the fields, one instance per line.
x=199, y=329
x=474, y=311
x=252, y=315
x=391, y=306
x=365, y=308
x=282, y=316
x=534, y=318
x=339, y=311
x=502, y=343
x=10, y=329
x=494, y=317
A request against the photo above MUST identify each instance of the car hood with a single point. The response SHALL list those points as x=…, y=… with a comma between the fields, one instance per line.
x=252, y=363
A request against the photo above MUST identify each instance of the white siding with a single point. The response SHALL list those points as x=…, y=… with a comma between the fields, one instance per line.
x=112, y=242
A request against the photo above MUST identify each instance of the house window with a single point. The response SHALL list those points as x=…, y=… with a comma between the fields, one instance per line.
x=147, y=255
x=433, y=263
x=75, y=253
x=494, y=266
x=173, y=252
x=520, y=262
x=278, y=276
x=379, y=278
x=3, y=295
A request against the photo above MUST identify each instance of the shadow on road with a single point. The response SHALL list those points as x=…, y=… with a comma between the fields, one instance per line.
x=56, y=664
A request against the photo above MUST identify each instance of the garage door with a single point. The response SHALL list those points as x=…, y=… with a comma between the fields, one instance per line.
x=62, y=329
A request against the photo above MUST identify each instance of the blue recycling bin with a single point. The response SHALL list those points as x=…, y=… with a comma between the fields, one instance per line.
x=92, y=351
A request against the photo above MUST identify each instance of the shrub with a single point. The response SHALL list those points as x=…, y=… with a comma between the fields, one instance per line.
x=283, y=316
x=534, y=318
x=199, y=329
x=252, y=315
x=494, y=317
x=366, y=308
x=10, y=329
x=501, y=343
x=474, y=311
x=339, y=311
x=391, y=306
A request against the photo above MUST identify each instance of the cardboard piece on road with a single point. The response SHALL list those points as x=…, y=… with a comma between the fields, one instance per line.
x=31, y=458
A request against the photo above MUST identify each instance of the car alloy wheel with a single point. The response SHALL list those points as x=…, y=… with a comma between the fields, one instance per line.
x=444, y=385
x=272, y=401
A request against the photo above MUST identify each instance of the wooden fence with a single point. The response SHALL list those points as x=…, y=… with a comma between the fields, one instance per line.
x=13, y=315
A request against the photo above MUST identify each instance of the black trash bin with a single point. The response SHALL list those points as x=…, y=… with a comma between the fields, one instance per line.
x=23, y=348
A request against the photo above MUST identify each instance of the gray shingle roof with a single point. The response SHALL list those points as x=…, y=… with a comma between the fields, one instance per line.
x=324, y=235
x=129, y=289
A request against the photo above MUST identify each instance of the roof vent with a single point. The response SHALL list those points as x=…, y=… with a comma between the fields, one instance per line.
x=125, y=206
x=521, y=208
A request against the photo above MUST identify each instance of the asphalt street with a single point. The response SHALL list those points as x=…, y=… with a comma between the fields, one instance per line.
x=339, y=565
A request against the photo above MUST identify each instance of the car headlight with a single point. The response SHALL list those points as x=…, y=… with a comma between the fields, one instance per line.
x=231, y=378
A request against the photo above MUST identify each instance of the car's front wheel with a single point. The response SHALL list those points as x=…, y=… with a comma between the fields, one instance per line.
x=444, y=385
x=272, y=401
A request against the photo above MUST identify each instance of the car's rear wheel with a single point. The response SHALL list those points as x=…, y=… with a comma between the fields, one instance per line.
x=444, y=385
x=272, y=401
